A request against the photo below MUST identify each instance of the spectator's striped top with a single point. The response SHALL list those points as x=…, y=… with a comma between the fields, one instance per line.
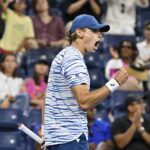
x=64, y=120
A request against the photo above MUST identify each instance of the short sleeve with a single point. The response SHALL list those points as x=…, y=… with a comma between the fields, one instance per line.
x=75, y=71
x=30, y=29
x=117, y=127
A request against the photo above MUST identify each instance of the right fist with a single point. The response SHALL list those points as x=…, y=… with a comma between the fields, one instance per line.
x=121, y=76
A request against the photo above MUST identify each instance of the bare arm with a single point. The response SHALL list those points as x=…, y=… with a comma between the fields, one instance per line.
x=95, y=7
x=123, y=139
x=4, y=5
x=87, y=99
x=76, y=6
x=146, y=137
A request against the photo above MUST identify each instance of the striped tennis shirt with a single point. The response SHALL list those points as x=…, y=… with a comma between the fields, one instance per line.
x=64, y=120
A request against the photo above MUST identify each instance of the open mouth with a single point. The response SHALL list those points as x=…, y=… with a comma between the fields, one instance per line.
x=97, y=44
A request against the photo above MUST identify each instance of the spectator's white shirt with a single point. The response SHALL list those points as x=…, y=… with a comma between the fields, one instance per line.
x=9, y=86
x=112, y=66
x=144, y=50
x=121, y=15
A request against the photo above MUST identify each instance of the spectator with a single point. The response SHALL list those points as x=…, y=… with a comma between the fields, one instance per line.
x=144, y=46
x=72, y=8
x=35, y=86
x=19, y=29
x=10, y=85
x=126, y=56
x=99, y=132
x=121, y=15
x=132, y=131
x=49, y=29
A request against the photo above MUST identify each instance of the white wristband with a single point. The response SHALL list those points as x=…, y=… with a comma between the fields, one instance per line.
x=112, y=85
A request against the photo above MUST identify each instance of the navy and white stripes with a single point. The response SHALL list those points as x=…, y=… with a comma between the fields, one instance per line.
x=64, y=120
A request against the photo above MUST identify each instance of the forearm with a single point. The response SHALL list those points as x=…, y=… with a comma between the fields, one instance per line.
x=146, y=137
x=95, y=7
x=5, y=104
x=91, y=99
x=76, y=6
x=123, y=140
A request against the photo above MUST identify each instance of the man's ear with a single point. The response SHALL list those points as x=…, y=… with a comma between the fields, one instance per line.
x=79, y=33
x=130, y=108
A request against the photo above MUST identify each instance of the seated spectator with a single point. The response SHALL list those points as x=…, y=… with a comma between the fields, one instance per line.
x=10, y=85
x=144, y=49
x=73, y=8
x=19, y=29
x=35, y=86
x=121, y=15
x=144, y=46
x=126, y=56
x=132, y=131
x=99, y=132
x=49, y=29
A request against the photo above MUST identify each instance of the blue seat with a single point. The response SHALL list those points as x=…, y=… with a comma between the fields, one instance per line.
x=93, y=60
x=35, y=117
x=118, y=100
x=12, y=141
x=96, y=77
x=10, y=118
x=114, y=40
x=34, y=55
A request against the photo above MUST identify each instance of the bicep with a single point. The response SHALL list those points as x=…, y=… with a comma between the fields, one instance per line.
x=79, y=91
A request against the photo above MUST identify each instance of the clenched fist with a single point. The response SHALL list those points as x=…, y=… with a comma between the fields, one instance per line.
x=121, y=76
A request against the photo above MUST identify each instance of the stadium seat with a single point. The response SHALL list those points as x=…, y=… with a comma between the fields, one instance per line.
x=10, y=118
x=114, y=40
x=12, y=141
x=118, y=99
x=35, y=117
x=93, y=60
x=96, y=77
x=34, y=55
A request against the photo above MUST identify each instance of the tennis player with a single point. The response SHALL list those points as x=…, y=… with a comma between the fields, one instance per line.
x=68, y=94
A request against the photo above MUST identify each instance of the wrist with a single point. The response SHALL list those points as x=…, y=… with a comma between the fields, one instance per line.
x=141, y=130
x=112, y=85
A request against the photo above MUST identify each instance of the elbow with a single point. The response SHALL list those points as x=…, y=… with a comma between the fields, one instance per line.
x=121, y=145
x=83, y=105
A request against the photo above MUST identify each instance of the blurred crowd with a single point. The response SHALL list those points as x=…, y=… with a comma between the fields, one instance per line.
x=32, y=32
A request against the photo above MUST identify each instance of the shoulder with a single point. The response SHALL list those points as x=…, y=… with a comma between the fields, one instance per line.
x=141, y=44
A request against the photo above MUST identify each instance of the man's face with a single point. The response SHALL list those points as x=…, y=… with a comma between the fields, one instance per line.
x=137, y=106
x=147, y=32
x=91, y=39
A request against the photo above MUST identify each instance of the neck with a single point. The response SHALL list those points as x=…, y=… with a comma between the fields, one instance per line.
x=43, y=14
x=19, y=13
x=79, y=46
x=148, y=42
x=127, y=60
x=8, y=74
x=41, y=77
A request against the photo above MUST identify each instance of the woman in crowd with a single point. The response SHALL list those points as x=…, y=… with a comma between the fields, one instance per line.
x=126, y=56
x=35, y=86
x=10, y=85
